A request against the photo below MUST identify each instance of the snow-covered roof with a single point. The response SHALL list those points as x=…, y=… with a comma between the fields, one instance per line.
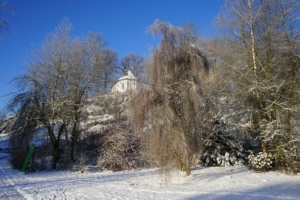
x=127, y=75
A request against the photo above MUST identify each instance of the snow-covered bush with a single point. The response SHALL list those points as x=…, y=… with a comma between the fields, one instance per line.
x=283, y=142
x=220, y=147
x=6, y=122
x=2, y=120
x=287, y=157
x=120, y=149
x=261, y=162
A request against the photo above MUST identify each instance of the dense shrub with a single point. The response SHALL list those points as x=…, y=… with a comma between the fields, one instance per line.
x=17, y=158
x=287, y=157
x=19, y=141
x=221, y=147
x=121, y=149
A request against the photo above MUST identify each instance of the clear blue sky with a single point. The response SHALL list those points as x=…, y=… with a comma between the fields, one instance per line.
x=121, y=22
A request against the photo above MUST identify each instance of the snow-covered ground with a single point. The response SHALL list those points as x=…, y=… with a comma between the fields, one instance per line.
x=204, y=183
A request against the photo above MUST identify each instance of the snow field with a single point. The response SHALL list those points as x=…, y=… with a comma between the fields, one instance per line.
x=219, y=183
x=204, y=183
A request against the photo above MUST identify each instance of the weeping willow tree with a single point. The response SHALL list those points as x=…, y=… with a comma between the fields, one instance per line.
x=171, y=110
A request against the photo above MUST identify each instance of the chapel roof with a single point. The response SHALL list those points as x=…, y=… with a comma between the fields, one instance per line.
x=127, y=75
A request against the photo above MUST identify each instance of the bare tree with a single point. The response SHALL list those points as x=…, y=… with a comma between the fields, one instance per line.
x=110, y=67
x=96, y=45
x=78, y=82
x=265, y=37
x=134, y=63
x=105, y=64
x=60, y=77
x=5, y=5
x=172, y=107
x=43, y=98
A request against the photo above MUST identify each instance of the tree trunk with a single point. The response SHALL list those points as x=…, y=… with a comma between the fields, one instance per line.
x=56, y=151
x=55, y=156
x=75, y=132
x=72, y=149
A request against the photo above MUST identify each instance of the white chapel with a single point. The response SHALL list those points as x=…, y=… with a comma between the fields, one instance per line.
x=126, y=83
